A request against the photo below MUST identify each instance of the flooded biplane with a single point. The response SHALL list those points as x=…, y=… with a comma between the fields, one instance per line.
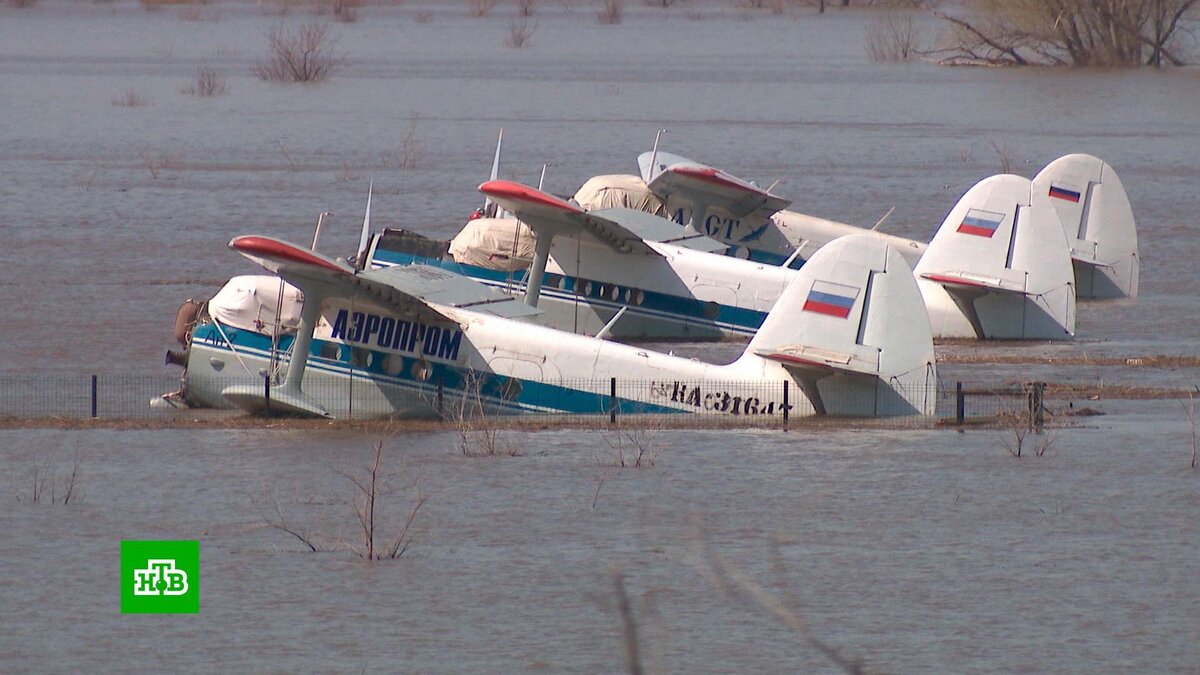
x=847, y=335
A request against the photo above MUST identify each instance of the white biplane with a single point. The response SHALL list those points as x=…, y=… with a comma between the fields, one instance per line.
x=849, y=331
x=1083, y=192
x=627, y=273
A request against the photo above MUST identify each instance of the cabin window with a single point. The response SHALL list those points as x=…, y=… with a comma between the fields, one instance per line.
x=328, y=350
x=393, y=364
x=638, y=296
x=511, y=389
x=711, y=310
x=553, y=280
x=421, y=370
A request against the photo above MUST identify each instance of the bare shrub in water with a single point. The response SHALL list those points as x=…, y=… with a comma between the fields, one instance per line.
x=480, y=8
x=303, y=54
x=631, y=448
x=525, y=7
x=208, y=82
x=1123, y=33
x=478, y=433
x=1005, y=154
x=411, y=151
x=611, y=11
x=345, y=11
x=520, y=32
x=47, y=487
x=130, y=99
x=892, y=37
x=1019, y=419
x=371, y=486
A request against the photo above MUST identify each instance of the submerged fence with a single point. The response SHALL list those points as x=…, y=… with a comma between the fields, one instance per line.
x=768, y=404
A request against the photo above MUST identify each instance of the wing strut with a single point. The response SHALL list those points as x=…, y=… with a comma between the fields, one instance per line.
x=541, y=253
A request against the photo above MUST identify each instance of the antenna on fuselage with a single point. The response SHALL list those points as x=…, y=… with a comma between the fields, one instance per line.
x=654, y=155
x=542, y=180
x=880, y=221
x=360, y=260
x=320, y=221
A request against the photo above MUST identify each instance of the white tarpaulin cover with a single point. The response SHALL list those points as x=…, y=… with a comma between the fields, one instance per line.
x=249, y=302
x=503, y=244
x=618, y=190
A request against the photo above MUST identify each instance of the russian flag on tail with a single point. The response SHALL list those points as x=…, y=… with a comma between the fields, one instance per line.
x=831, y=299
x=1060, y=192
x=980, y=223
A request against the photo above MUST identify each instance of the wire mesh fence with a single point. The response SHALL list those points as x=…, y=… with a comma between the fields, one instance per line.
x=608, y=400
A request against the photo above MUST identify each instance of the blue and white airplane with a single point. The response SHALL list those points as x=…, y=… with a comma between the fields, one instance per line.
x=1084, y=193
x=849, y=331
x=628, y=274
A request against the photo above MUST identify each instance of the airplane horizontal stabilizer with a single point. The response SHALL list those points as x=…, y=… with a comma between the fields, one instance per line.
x=999, y=267
x=673, y=175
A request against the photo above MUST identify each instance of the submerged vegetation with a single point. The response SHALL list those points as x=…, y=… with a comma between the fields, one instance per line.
x=1124, y=33
x=304, y=53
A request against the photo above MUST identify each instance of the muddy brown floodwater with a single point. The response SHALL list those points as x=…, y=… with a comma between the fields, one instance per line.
x=912, y=550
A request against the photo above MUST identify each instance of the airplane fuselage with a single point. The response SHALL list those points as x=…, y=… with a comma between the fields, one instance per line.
x=682, y=294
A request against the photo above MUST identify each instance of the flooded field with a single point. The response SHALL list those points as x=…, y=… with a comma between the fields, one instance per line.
x=913, y=551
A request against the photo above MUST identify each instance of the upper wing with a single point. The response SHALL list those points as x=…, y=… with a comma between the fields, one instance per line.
x=655, y=228
x=544, y=212
x=412, y=290
x=700, y=183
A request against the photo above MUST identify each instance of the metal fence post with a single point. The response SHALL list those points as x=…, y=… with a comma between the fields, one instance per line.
x=440, y=396
x=786, y=408
x=1039, y=405
x=612, y=401
x=94, y=401
x=960, y=404
x=267, y=395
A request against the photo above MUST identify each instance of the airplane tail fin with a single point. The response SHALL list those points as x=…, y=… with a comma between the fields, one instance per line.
x=851, y=330
x=999, y=267
x=1095, y=214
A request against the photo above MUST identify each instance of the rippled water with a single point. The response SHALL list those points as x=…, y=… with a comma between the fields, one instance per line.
x=914, y=550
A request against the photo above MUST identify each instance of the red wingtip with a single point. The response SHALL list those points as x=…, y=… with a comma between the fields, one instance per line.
x=273, y=249
x=717, y=177
x=953, y=280
x=508, y=190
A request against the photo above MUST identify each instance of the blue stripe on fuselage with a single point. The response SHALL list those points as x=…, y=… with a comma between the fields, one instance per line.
x=732, y=319
x=455, y=381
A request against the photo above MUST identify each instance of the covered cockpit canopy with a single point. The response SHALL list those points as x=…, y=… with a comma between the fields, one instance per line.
x=503, y=244
x=618, y=191
x=251, y=302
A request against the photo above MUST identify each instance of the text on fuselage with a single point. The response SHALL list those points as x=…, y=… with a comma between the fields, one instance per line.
x=386, y=332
